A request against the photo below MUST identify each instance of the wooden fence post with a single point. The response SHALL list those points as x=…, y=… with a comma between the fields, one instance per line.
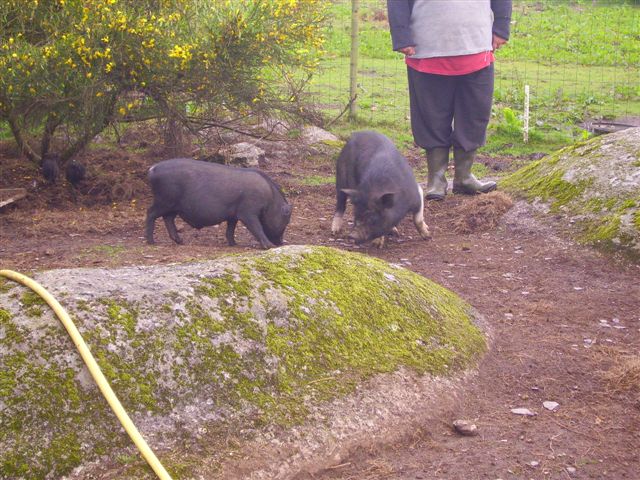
x=353, y=71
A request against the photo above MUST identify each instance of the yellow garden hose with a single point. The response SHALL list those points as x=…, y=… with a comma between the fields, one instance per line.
x=96, y=373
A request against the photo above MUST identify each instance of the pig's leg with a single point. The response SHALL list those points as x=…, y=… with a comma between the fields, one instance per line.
x=255, y=227
x=418, y=218
x=231, y=229
x=341, y=205
x=150, y=224
x=169, y=221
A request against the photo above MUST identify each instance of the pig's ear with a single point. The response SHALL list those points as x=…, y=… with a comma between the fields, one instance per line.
x=387, y=200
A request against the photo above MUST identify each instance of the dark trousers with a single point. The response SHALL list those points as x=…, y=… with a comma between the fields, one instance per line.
x=450, y=110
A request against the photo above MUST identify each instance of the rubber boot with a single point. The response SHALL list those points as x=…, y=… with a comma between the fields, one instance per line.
x=437, y=163
x=463, y=180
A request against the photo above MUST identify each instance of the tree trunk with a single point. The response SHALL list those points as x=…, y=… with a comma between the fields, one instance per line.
x=175, y=144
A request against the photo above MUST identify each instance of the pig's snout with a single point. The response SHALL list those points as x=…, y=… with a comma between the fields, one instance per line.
x=358, y=236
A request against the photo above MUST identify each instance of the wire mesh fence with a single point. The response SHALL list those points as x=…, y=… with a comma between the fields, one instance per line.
x=580, y=59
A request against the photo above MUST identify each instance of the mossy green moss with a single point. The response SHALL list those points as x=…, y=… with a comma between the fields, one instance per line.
x=5, y=285
x=536, y=181
x=126, y=356
x=590, y=183
x=33, y=303
x=259, y=341
x=34, y=392
x=351, y=316
x=11, y=334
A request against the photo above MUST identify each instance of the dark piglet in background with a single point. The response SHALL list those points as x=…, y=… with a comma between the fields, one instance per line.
x=49, y=167
x=204, y=194
x=380, y=184
x=75, y=172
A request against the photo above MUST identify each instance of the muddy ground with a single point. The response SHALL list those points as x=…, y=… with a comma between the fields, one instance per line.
x=566, y=318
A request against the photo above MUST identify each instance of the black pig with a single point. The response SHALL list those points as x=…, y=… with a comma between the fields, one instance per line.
x=377, y=178
x=204, y=194
x=75, y=172
x=49, y=167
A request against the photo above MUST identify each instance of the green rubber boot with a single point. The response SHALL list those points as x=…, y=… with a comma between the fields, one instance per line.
x=437, y=163
x=463, y=180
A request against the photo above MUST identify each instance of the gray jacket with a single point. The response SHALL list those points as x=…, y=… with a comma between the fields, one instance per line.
x=447, y=27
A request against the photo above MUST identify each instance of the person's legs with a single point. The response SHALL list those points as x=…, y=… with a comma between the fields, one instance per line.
x=472, y=106
x=432, y=105
x=472, y=109
x=431, y=100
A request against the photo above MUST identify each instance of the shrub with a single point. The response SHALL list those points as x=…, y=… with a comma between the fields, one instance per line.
x=84, y=64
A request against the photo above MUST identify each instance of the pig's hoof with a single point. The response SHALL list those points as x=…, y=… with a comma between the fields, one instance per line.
x=336, y=225
x=378, y=242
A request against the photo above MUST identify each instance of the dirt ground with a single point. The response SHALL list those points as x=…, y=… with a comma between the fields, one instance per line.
x=566, y=319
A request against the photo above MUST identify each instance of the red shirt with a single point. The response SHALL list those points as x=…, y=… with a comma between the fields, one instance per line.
x=458, y=65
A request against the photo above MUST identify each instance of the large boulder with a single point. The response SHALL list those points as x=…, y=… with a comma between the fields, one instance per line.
x=594, y=186
x=278, y=359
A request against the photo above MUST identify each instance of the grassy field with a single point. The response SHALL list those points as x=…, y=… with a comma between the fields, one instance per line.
x=580, y=59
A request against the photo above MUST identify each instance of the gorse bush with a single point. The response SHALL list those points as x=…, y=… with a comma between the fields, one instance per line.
x=84, y=64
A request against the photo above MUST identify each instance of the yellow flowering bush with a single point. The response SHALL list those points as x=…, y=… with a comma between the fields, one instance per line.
x=84, y=64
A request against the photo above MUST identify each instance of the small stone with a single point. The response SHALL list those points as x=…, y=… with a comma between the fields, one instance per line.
x=534, y=463
x=523, y=411
x=465, y=428
x=549, y=405
x=571, y=470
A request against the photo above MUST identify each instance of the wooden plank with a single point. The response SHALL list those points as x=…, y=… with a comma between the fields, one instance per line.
x=10, y=195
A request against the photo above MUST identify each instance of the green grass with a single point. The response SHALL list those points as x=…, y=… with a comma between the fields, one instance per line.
x=604, y=34
x=317, y=180
x=109, y=251
x=5, y=131
x=579, y=59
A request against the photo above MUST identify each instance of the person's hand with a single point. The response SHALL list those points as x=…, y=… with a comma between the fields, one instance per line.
x=408, y=51
x=497, y=42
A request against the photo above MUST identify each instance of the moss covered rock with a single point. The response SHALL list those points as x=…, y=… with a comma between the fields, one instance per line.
x=595, y=185
x=245, y=344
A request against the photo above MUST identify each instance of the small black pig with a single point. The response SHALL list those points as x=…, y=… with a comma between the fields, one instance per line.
x=49, y=166
x=204, y=194
x=377, y=178
x=75, y=172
